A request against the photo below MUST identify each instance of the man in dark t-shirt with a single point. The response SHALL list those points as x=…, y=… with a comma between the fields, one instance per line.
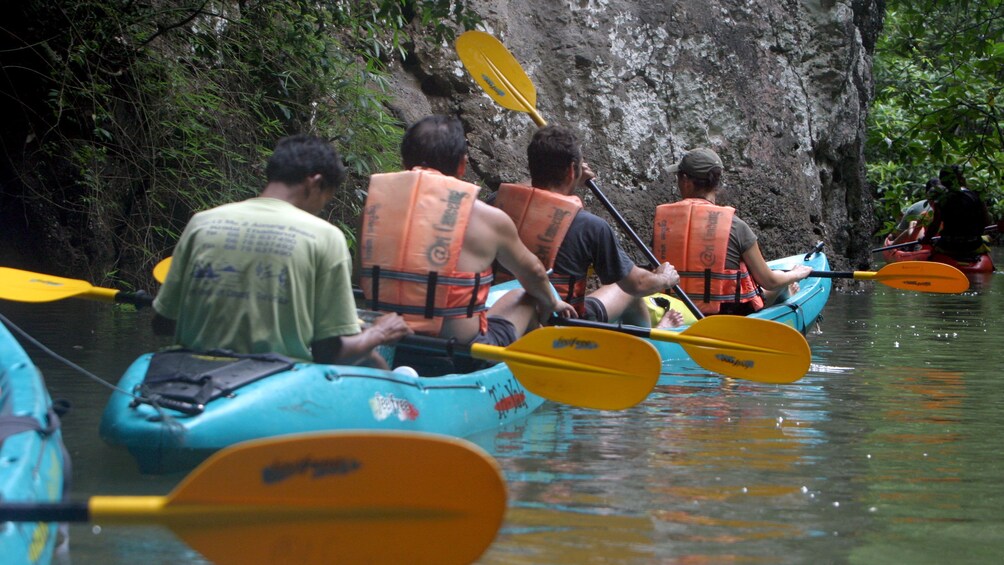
x=960, y=216
x=556, y=165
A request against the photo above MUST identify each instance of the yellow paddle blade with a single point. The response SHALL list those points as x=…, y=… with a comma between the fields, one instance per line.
x=160, y=270
x=921, y=276
x=26, y=286
x=581, y=366
x=746, y=348
x=349, y=497
x=498, y=73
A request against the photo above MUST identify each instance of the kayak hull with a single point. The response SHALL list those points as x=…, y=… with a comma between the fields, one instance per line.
x=312, y=397
x=799, y=311
x=308, y=398
x=33, y=461
x=982, y=263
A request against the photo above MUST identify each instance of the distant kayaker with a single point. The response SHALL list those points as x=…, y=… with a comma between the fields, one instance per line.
x=960, y=218
x=917, y=215
x=714, y=249
x=267, y=275
x=427, y=245
x=569, y=239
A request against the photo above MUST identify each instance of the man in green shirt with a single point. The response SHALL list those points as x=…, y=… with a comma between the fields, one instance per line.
x=267, y=275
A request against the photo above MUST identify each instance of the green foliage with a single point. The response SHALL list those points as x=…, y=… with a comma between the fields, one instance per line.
x=937, y=70
x=157, y=110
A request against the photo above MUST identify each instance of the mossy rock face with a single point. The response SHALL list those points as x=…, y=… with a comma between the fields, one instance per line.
x=780, y=92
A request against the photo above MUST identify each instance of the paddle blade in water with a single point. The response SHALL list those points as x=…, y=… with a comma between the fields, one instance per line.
x=746, y=348
x=497, y=72
x=585, y=367
x=357, y=497
x=920, y=276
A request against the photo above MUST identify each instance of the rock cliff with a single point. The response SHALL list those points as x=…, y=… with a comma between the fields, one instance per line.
x=780, y=89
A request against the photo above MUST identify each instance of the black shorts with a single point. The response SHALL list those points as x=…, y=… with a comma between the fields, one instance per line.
x=595, y=310
x=500, y=333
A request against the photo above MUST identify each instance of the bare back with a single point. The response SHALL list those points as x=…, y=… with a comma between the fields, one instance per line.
x=492, y=236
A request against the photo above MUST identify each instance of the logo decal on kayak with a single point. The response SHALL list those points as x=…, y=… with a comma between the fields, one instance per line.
x=574, y=343
x=384, y=407
x=491, y=85
x=508, y=396
x=316, y=468
x=747, y=364
x=917, y=283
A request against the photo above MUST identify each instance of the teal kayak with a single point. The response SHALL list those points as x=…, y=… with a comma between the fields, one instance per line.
x=800, y=311
x=305, y=397
x=33, y=461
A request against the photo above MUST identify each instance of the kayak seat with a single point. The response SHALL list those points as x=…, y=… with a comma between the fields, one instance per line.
x=186, y=380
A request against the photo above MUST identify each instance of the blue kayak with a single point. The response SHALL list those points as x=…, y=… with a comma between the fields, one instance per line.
x=310, y=397
x=32, y=457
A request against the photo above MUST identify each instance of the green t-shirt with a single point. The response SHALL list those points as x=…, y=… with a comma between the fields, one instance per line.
x=259, y=276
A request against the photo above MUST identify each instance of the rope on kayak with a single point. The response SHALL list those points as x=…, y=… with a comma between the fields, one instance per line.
x=168, y=421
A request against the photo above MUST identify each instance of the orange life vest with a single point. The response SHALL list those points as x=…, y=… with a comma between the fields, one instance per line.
x=412, y=234
x=693, y=235
x=542, y=218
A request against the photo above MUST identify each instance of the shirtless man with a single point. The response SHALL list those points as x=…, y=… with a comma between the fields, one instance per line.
x=428, y=244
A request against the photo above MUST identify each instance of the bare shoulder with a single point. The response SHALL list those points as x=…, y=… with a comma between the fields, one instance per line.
x=486, y=213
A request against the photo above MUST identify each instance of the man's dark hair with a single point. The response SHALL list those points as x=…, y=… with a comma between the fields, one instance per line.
x=712, y=181
x=952, y=178
x=299, y=156
x=551, y=151
x=434, y=142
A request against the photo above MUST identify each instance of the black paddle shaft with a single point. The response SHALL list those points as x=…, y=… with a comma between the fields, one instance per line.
x=138, y=299
x=434, y=345
x=44, y=512
x=652, y=259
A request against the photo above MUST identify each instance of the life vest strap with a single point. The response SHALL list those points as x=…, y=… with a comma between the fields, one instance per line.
x=374, y=274
x=713, y=276
x=458, y=312
x=474, y=296
x=707, y=285
x=475, y=281
x=430, y=293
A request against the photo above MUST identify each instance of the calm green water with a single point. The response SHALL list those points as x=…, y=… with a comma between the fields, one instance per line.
x=888, y=451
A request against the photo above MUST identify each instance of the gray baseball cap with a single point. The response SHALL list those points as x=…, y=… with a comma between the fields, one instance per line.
x=697, y=163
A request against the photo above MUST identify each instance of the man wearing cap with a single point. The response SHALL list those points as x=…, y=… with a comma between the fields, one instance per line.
x=721, y=267
x=568, y=240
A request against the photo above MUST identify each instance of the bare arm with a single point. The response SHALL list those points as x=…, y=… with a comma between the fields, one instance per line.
x=521, y=262
x=767, y=277
x=640, y=282
x=359, y=348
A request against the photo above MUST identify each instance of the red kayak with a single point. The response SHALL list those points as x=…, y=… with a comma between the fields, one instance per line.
x=982, y=263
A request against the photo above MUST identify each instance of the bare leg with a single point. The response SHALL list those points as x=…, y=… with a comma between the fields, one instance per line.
x=771, y=296
x=519, y=308
x=621, y=306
